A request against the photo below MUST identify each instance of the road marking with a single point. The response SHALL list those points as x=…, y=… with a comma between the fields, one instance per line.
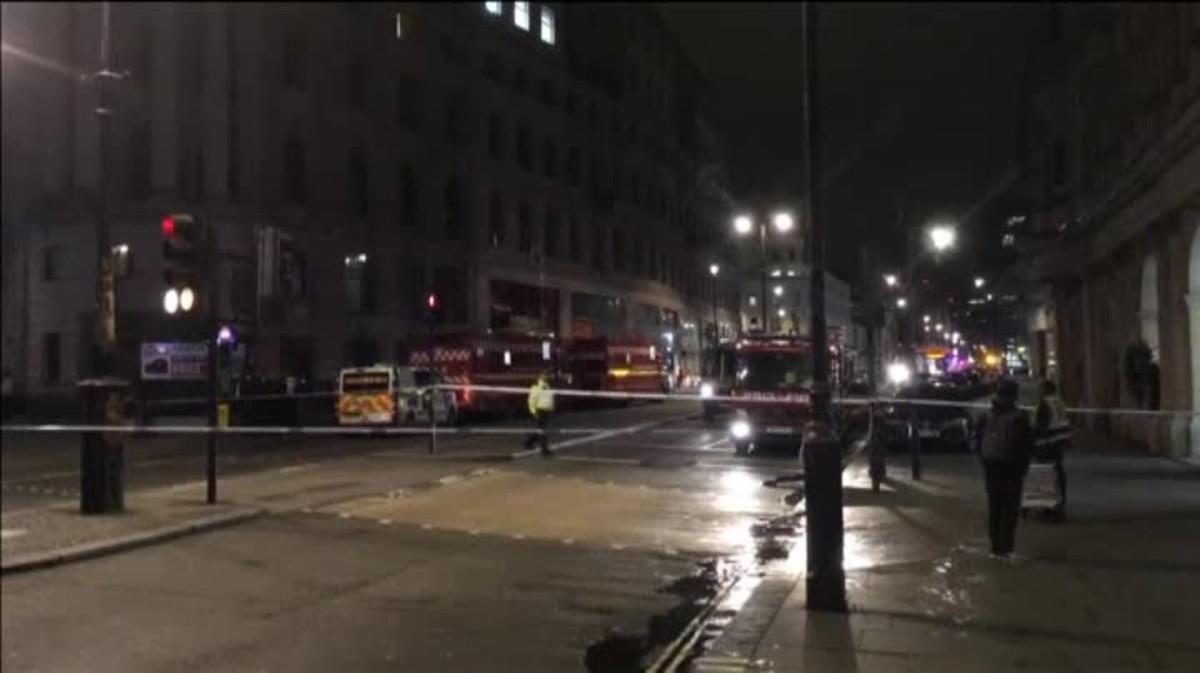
x=295, y=468
x=9, y=533
x=426, y=526
x=607, y=434
x=568, y=540
x=385, y=521
x=709, y=446
x=617, y=546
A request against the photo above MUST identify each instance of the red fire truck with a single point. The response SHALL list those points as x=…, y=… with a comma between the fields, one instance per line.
x=496, y=359
x=773, y=379
x=616, y=364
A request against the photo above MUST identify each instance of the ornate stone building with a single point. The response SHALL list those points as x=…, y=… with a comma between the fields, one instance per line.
x=1112, y=170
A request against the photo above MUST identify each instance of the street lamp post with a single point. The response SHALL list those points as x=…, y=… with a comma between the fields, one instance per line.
x=826, y=578
x=744, y=225
x=714, y=270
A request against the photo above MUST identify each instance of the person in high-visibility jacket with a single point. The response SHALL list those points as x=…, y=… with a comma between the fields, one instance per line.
x=541, y=407
x=1053, y=438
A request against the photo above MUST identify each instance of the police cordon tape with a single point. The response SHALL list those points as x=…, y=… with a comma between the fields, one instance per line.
x=696, y=397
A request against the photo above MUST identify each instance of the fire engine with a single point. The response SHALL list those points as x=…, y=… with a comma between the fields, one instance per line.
x=490, y=359
x=615, y=364
x=772, y=381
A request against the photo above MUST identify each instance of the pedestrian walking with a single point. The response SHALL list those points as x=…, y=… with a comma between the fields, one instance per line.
x=1004, y=442
x=1052, y=439
x=541, y=407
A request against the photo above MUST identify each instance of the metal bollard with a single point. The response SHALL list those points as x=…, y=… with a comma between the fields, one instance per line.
x=826, y=578
x=102, y=454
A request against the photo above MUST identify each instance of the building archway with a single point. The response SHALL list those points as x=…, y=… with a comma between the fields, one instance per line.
x=1148, y=312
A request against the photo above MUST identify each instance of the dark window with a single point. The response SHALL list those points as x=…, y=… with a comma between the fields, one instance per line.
x=524, y=147
x=191, y=173
x=573, y=166
x=549, y=93
x=525, y=228
x=492, y=68
x=550, y=164
x=50, y=263
x=192, y=54
x=295, y=177
x=1060, y=163
x=495, y=137
x=51, y=357
x=496, y=223
x=618, y=250
x=293, y=61
x=1056, y=23
x=296, y=356
x=293, y=270
x=141, y=57
x=454, y=123
x=572, y=103
x=409, y=212
x=552, y=233
x=410, y=292
x=575, y=243
x=520, y=80
x=452, y=204
x=450, y=284
x=361, y=287
x=357, y=82
x=139, y=162
x=356, y=183
x=408, y=95
x=635, y=190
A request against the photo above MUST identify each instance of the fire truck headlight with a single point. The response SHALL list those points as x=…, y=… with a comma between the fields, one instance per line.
x=706, y=390
x=898, y=373
x=740, y=429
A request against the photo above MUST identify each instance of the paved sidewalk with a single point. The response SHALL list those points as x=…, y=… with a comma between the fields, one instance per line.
x=1115, y=588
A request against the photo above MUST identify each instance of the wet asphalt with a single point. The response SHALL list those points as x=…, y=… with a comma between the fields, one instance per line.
x=591, y=560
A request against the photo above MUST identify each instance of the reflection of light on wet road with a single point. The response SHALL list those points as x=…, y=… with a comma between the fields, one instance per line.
x=857, y=552
x=739, y=492
x=740, y=593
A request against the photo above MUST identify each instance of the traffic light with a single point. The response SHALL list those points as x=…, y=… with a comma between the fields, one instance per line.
x=185, y=259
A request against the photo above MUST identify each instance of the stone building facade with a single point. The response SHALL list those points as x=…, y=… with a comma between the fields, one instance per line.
x=541, y=166
x=1112, y=170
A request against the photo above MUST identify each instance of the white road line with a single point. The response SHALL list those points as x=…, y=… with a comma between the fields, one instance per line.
x=717, y=442
x=9, y=533
x=568, y=540
x=295, y=468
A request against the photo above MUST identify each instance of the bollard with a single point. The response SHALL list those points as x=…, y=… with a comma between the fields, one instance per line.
x=102, y=454
x=876, y=452
x=826, y=579
x=914, y=444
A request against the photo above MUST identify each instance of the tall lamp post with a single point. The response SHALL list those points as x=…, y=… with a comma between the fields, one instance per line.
x=744, y=225
x=714, y=270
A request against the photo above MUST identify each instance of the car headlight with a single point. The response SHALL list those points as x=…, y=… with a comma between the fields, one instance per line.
x=706, y=390
x=739, y=429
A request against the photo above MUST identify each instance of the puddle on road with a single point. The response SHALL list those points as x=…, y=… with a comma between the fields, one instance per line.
x=770, y=540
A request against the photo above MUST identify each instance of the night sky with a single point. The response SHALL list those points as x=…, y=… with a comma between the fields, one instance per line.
x=918, y=110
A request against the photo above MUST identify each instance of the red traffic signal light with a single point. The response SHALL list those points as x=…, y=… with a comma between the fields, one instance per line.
x=168, y=227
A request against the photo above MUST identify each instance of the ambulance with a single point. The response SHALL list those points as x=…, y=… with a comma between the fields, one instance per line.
x=385, y=394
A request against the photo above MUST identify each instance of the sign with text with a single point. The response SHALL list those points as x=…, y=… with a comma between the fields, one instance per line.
x=174, y=361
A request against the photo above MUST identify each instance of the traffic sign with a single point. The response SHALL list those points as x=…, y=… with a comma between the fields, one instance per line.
x=174, y=361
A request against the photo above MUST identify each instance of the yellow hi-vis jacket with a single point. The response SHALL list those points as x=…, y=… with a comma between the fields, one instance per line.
x=541, y=398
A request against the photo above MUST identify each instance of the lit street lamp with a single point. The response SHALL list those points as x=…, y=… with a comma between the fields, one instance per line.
x=743, y=225
x=979, y=282
x=942, y=237
x=890, y=279
x=901, y=303
x=714, y=269
x=925, y=318
x=778, y=290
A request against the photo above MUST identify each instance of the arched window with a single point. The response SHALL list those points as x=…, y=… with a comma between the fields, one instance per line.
x=295, y=176
x=496, y=223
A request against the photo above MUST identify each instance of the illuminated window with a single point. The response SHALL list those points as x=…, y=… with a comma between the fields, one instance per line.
x=521, y=15
x=400, y=27
x=1008, y=241
x=492, y=8
x=547, y=25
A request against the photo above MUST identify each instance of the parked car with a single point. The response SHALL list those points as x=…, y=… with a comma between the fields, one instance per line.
x=930, y=424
